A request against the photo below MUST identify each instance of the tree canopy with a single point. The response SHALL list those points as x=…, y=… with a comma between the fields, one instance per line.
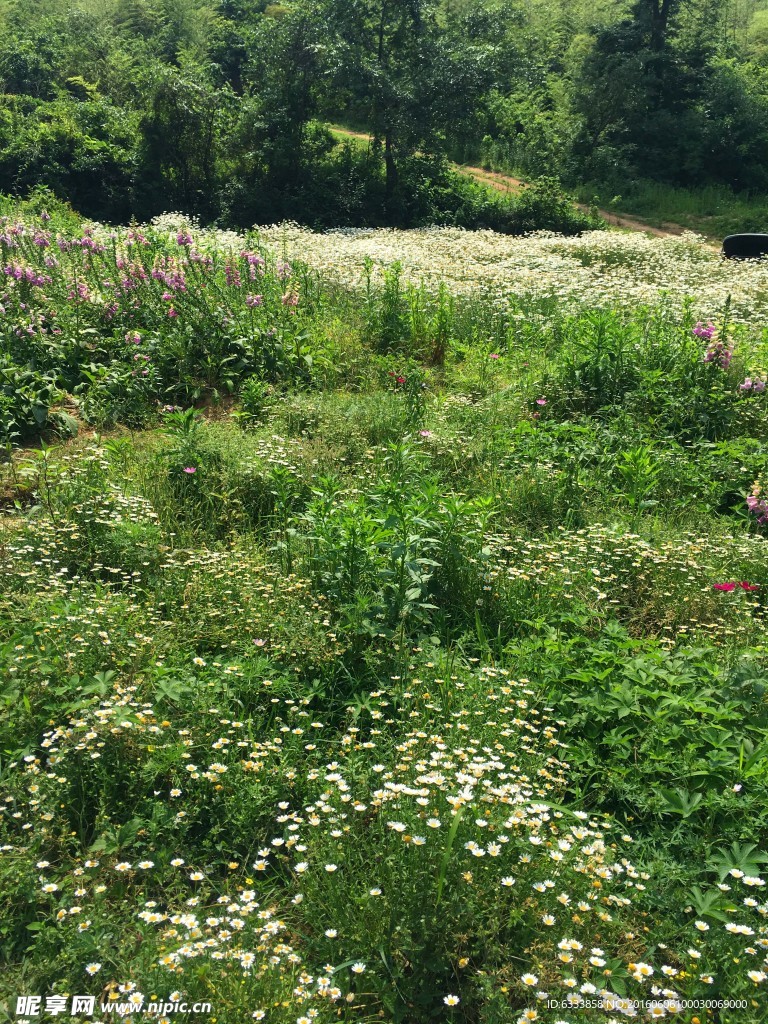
x=221, y=107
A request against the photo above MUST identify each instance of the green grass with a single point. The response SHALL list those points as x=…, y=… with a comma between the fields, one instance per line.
x=713, y=211
x=342, y=136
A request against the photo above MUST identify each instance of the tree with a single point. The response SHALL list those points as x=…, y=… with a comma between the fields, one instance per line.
x=392, y=69
x=638, y=97
x=182, y=131
x=659, y=14
x=281, y=77
x=82, y=150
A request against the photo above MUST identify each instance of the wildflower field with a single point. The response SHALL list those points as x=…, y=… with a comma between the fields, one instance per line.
x=383, y=620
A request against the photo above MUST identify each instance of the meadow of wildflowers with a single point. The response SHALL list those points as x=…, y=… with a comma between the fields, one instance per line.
x=383, y=622
x=600, y=268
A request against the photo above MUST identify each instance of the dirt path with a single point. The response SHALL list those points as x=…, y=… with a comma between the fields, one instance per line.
x=509, y=185
x=353, y=135
x=506, y=183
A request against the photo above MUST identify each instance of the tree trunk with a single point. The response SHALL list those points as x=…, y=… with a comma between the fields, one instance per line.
x=391, y=175
x=660, y=13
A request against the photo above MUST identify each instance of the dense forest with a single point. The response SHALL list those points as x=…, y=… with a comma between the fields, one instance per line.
x=220, y=108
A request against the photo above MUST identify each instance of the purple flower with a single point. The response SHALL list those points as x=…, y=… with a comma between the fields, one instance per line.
x=747, y=385
x=704, y=332
x=720, y=352
x=758, y=386
x=252, y=301
x=252, y=258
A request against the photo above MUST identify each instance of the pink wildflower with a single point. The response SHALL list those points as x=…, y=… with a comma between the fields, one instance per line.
x=704, y=332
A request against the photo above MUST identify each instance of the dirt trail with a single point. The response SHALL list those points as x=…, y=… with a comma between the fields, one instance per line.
x=507, y=184
x=353, y=135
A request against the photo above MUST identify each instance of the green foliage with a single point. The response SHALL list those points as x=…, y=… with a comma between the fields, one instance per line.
x=178, y=159
x=119, y=394
x=84, y=151
x=635, y=708
x=26, y=397
x=425, y=641
x=256, y=396
x=544, y=205
x=653, y=367
x=141, y=106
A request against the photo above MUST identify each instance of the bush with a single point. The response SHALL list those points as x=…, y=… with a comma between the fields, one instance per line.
x=26, y=396
x=544, y=205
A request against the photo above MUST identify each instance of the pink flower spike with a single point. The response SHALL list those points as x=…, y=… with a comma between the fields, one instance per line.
x=190, y=469
x=704, y=332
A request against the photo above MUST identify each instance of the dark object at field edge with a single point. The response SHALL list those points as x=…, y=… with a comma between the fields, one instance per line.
x=745, y=246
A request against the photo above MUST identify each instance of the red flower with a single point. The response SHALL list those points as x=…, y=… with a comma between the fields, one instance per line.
x=732, y=586
x=725, y=586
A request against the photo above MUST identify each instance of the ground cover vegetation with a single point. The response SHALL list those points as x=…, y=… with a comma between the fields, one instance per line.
x=221, y=108
x=384, y=640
